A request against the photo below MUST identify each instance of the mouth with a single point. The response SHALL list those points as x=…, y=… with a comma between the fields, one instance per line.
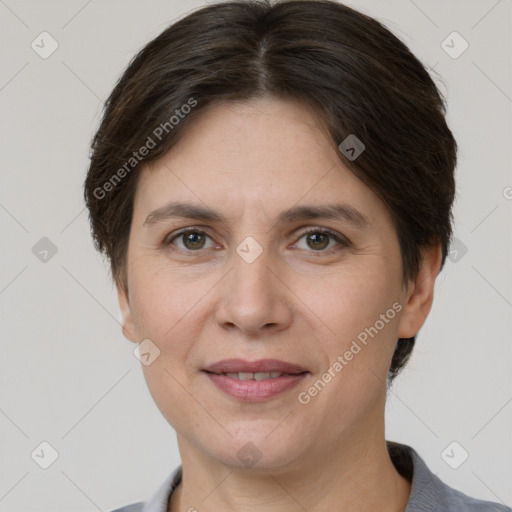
x=255, y=381
x=254, y=376
x=247, y=369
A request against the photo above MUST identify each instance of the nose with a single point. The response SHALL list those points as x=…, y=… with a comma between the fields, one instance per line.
x=254, y=301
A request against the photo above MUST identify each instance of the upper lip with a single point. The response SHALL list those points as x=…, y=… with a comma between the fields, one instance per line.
x=261, y=365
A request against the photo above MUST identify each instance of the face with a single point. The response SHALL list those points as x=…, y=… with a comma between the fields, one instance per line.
x=291, y=258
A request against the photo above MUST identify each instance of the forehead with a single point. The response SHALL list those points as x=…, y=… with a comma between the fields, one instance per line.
x=270, y=152
x=266, y=134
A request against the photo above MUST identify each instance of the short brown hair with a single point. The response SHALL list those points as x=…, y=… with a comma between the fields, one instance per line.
x=354, y=72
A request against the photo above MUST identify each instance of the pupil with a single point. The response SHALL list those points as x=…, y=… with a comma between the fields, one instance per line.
x=318, y=237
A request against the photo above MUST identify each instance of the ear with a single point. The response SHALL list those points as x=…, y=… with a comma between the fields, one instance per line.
x=128, y=325
x=420, y=293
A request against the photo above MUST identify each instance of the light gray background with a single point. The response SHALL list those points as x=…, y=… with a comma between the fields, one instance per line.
x=67, y=375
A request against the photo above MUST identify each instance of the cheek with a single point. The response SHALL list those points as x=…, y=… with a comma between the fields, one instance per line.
x=350, y=300
x=359, y=332
x=357, y=353
x=161, y=301
x=169, y=392
x=170, y=311
x=164, y=311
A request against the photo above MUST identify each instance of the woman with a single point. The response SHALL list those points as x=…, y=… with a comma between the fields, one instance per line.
x=273, y=185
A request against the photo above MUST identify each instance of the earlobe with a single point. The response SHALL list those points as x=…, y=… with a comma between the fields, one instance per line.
x=421, y=293
x=128, y=326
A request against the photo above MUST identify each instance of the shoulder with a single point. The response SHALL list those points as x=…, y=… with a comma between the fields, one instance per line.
x=459, y=502
x=428, y=492
x=132, y=507
x=159, y=501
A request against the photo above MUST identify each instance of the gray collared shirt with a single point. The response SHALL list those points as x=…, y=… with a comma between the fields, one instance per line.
x=428, y=492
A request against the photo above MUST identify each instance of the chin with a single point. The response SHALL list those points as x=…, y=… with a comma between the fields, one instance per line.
x=254, y=449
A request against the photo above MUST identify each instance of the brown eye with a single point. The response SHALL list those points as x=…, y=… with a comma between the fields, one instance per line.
x=191, y=240
x=317, y=241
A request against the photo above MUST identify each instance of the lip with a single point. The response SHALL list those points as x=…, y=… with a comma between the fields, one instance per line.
x=255, y=390
x=261, y=365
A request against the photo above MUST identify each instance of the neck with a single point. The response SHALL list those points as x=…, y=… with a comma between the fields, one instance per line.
x=358, y=476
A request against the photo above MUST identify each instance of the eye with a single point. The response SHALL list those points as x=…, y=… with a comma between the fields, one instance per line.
x=191, y=240
x=316, y=239
x=319, y=239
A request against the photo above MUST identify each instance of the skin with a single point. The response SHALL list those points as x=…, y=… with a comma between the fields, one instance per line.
x=296, y=302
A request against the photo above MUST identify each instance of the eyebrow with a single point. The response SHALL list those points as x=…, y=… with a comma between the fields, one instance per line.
x=336, y=211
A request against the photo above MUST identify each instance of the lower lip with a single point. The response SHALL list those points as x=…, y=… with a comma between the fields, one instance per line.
x=255, y=390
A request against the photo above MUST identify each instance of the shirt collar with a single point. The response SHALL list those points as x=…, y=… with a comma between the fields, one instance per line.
x=427, y=490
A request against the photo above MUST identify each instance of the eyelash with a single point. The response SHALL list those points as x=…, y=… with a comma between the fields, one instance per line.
x=342, y=241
